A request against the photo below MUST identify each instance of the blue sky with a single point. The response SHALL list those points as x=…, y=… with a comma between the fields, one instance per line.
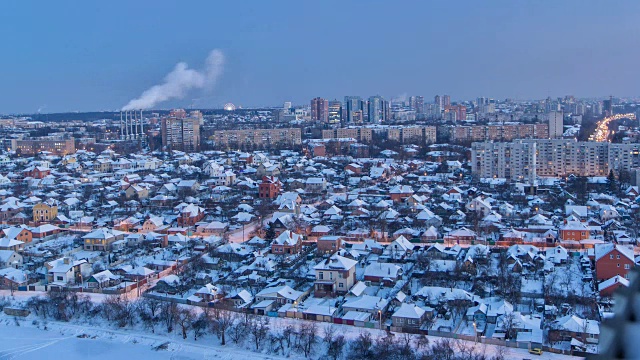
x=97, y=55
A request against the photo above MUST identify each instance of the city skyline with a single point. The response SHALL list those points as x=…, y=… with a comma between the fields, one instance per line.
x=101, y=57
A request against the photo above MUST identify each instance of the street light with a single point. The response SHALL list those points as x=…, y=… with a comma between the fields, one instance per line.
x=475, y=332
x=380, y=318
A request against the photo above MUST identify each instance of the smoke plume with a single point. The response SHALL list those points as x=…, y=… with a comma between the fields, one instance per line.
x=180, y=81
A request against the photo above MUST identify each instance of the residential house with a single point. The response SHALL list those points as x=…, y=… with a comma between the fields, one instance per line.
x=570, y=327
x=269, y=188
x=335, y=275
x=383, y=273
x=410, y=316
x=612, y=260
x=190, y=214
x=68, y=271
x=10, y=258
x=103, y=279
x=315, y=185
x=287, y=243
x=102, y=239
x=44, y=213
x=574, y=231
x=329, y=244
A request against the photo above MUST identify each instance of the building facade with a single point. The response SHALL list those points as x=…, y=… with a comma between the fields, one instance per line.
x=181, y=134
x=260, y=137
x=35, y=146
x=551, y=158
x=320, y=110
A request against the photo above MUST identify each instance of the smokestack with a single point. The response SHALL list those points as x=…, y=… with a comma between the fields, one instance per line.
x=130, y=126
x=121, y=128
x=135, y=125
x=141, y=126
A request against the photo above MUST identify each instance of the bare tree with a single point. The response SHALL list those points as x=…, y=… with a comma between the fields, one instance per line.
x=361, y=348
x=168, y=315
x=148, y=311
x=221, y=323
x=238, y=330
x=307, y=333
x=336, y=347
x=510, y=323
x=200, y=324
x=258, y=330
x=184, y=319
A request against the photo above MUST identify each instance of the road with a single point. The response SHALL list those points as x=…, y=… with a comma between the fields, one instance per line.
x=602, y=129
x=236, y=236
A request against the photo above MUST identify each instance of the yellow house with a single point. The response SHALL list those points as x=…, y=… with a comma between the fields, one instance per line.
x=44, y=213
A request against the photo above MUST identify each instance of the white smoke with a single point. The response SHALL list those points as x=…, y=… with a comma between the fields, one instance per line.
x=180, y=81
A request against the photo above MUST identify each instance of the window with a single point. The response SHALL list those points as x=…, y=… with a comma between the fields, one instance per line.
x=611, y=256
x=618, y=256
x=340, y=285
x=618, y=264
x=627, y=266
x=320, y=275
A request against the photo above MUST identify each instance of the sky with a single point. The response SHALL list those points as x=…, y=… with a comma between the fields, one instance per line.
x=98, y=55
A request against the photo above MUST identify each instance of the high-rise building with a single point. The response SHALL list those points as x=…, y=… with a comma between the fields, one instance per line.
x=607, y=106
x=319, y=110
x=335, y=112
x=287, y=106
x=438, y=101
x=556, y=122
x=446, y=101
x=416, y=103
x=354, y=108
x=181, y=134
x=378, y=109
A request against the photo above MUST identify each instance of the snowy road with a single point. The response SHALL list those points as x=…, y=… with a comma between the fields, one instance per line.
x=236, y=236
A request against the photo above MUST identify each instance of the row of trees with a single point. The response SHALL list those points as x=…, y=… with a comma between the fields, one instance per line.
x=258, y=333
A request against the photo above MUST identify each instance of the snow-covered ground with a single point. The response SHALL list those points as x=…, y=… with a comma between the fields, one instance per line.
x=27, y=341
x=235, y=236
x=95, y=338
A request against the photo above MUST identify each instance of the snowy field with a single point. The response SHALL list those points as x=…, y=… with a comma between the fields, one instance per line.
x=26, y=339
x=73, y=342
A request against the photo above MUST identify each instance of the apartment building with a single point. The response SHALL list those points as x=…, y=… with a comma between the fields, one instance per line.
x=506, y=132
x=414, y=134
x=253, y=137
x=181, y=134
x=36, y=146
x=361, y=134
x=523, y=158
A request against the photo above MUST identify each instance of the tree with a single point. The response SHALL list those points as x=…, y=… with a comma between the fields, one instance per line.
x=222, y=321
x=200, y=325
x=168, y=315
x=270, y=233
x=258, y=330
x=442, y=350
x=238, y=330
x=361, y=348
x=612, y=184
x=510, y=323
x=148, y=311
x=336, y=347
x=307, y=337
x=184, y=319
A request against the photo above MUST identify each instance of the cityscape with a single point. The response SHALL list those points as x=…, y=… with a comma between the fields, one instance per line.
x=185, y=216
